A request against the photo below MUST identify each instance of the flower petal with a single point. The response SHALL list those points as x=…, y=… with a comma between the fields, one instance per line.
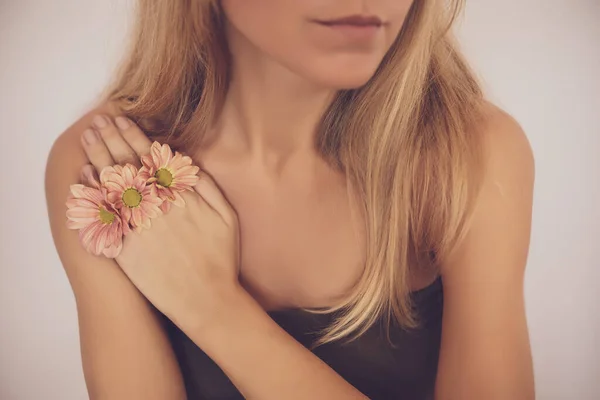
x=114, y=182
x=150, y=210
x=83, y=220
x=77, y=190
x=139, y=183
x=165, y=154
x=177, y=162
x=79, y=224
x=165, y=207
x=185, y=184
x=144, y=173
x=179, y=200
x=136, y=217
x=146, y=223
x=187, y=172
x=125, y=228
x=129, y=174
x=80, y=202
x=114, y=250
x=88, y=237
x=148, y=163
x=83, y=192
x=113, y=197
x=126, y=214
x=155, y=152
x=101, y=239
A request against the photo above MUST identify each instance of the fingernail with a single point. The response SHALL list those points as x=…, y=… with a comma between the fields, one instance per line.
x=90, y=136
x=122, y=122
x=99, y=122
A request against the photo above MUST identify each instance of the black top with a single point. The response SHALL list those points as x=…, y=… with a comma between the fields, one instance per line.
x=405, y=369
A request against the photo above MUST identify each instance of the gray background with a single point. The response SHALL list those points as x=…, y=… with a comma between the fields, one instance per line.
x=540, y=60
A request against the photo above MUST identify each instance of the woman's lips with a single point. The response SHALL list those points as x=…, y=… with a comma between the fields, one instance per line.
x=353, y=29
x=354, y=20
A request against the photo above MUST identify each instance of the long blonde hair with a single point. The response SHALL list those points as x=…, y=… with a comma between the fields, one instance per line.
x=405, y=140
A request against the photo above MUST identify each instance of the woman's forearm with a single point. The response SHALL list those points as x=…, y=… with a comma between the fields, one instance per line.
x=261, y=359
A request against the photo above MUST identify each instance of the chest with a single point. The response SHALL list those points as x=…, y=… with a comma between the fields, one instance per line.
x=301, y=240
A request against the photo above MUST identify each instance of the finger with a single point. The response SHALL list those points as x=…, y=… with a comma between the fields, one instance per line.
x=210, y=192
x=95, y=150
x=89, y=177
x=120, y=151
x=134, y=136
x=201, y=207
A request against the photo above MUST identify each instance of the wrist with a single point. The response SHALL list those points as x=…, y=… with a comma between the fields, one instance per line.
x=214, y=311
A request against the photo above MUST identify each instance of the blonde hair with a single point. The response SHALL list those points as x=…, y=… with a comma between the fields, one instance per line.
x=406, y=139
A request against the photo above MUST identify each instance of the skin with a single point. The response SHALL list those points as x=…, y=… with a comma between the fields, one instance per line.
x=263, y=186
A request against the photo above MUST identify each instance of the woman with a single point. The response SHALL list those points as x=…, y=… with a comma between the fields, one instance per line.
x=350, y=166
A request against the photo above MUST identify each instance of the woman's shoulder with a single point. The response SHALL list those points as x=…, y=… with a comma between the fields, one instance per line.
x=502, y=210
x=503, y=135
x=66, y=157
x=67, y=144
x=117, y=325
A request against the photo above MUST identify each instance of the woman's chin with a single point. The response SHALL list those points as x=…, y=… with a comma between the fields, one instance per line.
x=344, y=80
x=344, y=77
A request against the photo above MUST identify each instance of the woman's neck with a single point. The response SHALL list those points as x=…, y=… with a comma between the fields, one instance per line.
x=269, y=112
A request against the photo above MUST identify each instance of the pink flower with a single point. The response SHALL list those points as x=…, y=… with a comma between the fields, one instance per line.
x=130, y=196
x=172, y=174
x=101, y=229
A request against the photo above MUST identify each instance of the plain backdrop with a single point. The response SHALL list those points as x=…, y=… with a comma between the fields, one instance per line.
x=539, y=60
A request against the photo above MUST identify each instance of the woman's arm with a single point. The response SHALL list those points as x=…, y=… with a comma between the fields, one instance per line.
x=261, y=359
x=190, y=272
x=485, y=350
x=125, y=353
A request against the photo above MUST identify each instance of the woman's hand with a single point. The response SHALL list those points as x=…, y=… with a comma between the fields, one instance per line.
x=187, y=262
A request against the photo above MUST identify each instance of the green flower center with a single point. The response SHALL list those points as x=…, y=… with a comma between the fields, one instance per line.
x=132, y=198
x=106, y=217
x=164, y=177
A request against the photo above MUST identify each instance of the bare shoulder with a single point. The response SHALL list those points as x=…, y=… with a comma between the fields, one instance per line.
x=67, y=156
x=64, y=163
x=501, y=220
x=484, y=276
x=66, y=151
x=118, y=329
x=506, y=145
